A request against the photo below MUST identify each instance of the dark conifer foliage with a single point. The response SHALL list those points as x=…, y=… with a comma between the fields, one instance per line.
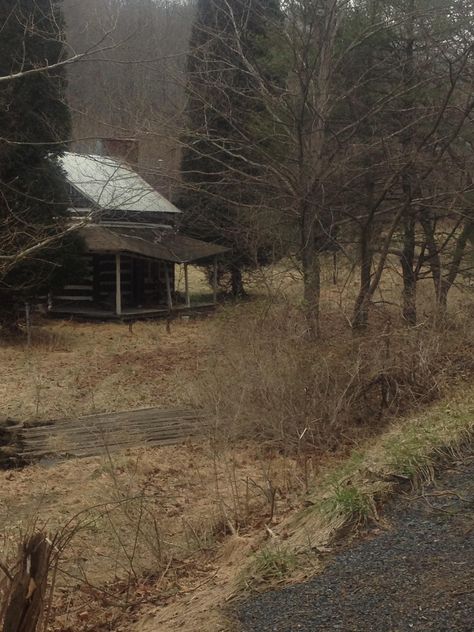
x=34, y=124
x=221, y=166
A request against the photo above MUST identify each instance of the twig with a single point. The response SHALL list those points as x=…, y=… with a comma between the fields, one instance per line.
x=6, y=571
x=444, y=493
x=190, y=590
x=51, y=595
x=271, y=533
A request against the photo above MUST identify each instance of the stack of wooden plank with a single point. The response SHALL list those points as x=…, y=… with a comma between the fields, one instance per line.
x=97, y=434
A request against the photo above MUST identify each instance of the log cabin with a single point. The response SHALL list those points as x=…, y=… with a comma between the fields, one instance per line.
x=132, y=244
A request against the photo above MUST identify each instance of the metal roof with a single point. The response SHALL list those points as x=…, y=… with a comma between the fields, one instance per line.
x=111, y=185
x=148, y=242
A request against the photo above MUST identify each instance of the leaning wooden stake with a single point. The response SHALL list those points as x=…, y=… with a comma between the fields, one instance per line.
x=24, y=602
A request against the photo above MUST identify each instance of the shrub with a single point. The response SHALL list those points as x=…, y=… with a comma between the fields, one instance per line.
x=267, y=382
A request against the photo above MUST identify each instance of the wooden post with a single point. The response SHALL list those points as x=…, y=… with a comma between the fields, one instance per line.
x=118, y=286
x=28, y=324
x=25, y=599
x=214, y=282
x=186, y=286
x=168, y=287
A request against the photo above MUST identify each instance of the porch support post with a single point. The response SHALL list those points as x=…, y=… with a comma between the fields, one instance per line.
x=214, y=281
x=118, y=285
x=186, y=286
x=169, y=299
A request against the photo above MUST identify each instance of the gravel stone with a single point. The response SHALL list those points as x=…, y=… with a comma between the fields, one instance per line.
x=417, y=575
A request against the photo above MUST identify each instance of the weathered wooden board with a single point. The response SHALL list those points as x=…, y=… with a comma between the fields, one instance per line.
x=93, y=435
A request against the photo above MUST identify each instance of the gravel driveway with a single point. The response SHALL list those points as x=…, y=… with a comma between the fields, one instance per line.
x=417, y=575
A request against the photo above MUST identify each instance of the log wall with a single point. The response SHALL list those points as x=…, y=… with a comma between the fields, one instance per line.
x=143, y=283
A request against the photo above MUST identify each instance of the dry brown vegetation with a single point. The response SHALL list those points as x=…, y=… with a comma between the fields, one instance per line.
x=144, y=526
x=161, y=539
x=317, y=364
x=74, y=368
x=77, y=368
x=267, y=382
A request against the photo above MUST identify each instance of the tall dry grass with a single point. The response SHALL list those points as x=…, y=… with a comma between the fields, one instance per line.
x=267, y=381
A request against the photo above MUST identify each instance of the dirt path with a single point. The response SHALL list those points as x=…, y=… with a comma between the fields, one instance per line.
x=417, y=575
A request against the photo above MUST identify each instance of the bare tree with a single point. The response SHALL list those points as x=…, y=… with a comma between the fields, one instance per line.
x=344, y=159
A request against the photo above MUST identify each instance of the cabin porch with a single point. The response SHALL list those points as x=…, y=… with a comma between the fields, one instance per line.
x=129, y=272
x=126, y=286
x=128, y=314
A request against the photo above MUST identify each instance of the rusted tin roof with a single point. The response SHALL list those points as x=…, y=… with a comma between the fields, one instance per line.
x=150, y=242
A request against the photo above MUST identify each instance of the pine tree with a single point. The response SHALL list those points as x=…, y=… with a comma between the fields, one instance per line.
x=35, y=123
x=221, y=166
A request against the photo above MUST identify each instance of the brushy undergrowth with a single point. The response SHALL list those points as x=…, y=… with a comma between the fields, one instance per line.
x=268, y=382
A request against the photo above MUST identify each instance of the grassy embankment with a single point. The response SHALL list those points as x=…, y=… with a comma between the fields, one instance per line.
x=351, y=493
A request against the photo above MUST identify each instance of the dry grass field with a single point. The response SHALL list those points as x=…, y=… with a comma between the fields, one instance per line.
x=75, y=368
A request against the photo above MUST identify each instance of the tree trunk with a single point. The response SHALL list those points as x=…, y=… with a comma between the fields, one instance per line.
x=408, y=270
x=311, y=274
x=449, y=279
x=360, y=318
x=434, y=260
x=409, y=219
x=237, y=284
x=9, y=318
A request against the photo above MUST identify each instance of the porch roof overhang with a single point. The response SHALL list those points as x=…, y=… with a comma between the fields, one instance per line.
x=154, y=243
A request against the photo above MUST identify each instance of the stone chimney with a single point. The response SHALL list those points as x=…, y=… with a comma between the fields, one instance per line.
x=122, y=149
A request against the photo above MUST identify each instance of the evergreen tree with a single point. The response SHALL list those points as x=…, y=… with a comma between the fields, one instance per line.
x=222, y=165
x=34, y=123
